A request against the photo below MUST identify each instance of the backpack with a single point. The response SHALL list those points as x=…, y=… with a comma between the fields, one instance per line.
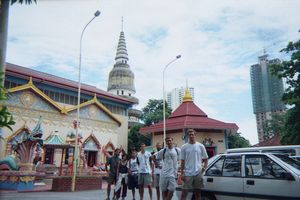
x=165, y=149
x=137, y=161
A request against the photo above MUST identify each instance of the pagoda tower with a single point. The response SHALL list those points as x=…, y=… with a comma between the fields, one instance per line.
x=121, y=78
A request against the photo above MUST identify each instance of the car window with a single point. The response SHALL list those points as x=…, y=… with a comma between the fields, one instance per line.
x=232, y=166
x=216, y=168
x=260, y=166
x=293, y=162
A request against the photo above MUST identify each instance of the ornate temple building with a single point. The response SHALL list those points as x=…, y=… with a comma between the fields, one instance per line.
x=212, y=133
x=121, y=81
x=33, y=94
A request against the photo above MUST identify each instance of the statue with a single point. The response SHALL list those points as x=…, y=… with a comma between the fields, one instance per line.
x=71, y=139
x=18, y=172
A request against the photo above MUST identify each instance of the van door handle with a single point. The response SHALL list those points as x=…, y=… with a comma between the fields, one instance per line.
x=250, y=182
x=210, y=180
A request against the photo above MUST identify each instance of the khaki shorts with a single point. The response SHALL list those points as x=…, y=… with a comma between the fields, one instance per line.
x=167, y=184
x=145, y=179
x=156, y=180
x=193, y=182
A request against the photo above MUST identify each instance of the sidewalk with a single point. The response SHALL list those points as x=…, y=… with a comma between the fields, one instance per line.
x=42, y=192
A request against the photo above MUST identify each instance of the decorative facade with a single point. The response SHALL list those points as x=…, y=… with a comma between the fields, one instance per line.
x=103, y=116
x=212, y=133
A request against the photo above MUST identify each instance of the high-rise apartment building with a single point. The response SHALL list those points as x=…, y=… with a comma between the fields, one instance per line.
x=175, y=97
x=267, y=91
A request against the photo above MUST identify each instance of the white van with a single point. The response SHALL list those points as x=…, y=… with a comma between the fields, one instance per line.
x=289, y=150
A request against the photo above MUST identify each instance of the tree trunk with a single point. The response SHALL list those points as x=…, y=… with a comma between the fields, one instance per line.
x=4, y=10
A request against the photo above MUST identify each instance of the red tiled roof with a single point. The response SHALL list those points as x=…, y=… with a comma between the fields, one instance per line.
x=23, y=72
x=188, y=115
x=188, y=109
x=274, y=141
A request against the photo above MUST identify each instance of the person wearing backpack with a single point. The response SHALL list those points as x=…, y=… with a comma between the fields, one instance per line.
x=145, y=171
x=170, y=157
x=133, y=169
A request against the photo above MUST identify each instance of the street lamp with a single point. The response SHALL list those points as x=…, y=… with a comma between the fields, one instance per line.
x=75, y=158
x=164, y=104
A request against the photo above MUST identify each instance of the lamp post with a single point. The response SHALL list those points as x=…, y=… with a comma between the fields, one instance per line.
x=164, y=104
x=75, y=158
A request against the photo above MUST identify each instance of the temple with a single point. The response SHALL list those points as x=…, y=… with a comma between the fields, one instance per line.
x=103, y=116
x=212, y=133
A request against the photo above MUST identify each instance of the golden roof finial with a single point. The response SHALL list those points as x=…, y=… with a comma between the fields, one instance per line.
x=95, y=97
x=187, y=96
x=30, y=82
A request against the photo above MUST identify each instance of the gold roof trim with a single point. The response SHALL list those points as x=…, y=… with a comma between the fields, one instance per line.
x=95, y=101
x=31, y=86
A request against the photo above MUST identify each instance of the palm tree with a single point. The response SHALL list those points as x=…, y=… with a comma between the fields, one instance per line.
x=4, y=11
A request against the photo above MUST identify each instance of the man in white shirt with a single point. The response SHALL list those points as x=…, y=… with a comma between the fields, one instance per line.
x=170, y=157
x=193, y=154
x=133, y=169
x=157, y=169
x=145, y=171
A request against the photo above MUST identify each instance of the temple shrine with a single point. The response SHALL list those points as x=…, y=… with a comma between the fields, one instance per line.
x=211, y=132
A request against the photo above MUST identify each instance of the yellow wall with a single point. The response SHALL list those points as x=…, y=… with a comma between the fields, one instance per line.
x=216, y=138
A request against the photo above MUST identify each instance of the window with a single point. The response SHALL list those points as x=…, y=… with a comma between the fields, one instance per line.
x=216, y=169
x=67, y=99
x=122, y=92
x=261, y=166
x=232, y=166
x=49, y=156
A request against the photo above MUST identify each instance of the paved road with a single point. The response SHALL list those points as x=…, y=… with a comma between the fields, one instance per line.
x=82, y=195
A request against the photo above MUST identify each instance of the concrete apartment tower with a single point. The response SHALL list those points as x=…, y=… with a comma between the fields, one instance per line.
x=267, y=91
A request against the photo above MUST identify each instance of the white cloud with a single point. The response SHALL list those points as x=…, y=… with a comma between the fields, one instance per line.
x=218, y=41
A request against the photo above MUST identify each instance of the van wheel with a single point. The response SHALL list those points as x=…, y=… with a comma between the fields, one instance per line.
x=208, y=197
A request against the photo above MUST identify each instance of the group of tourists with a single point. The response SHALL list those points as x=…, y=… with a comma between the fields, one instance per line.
x=160, y=170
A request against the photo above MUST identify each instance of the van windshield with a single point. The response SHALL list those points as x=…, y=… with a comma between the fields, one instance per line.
x=288, y=160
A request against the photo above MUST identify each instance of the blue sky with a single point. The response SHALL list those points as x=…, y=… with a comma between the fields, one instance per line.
x=218, y=41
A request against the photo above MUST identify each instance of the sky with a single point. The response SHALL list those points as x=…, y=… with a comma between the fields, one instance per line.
x=218, y=42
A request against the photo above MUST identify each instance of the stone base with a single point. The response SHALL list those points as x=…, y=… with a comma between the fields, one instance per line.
x=17, y=180
x=64, y=183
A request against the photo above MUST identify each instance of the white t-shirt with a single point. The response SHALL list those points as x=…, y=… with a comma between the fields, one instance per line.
x=144, y=161
x=133, y=166
x=158, y=162
x=170, y=161
x=193, y=154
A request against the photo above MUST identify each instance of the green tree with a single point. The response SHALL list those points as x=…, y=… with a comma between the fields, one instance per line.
x=6, y=119
x=135, y=138
x=274, y=126
x=290, y=70
x=153, y=112
x=4, y=11
x=237, y=141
